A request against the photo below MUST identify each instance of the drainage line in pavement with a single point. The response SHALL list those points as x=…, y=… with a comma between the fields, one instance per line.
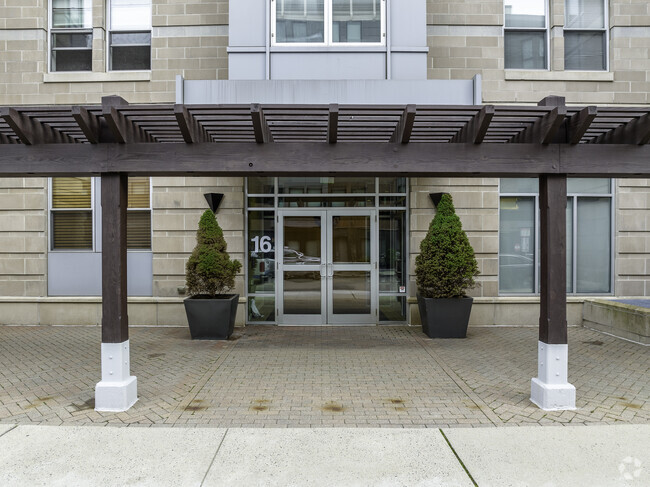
x=10, y=429
x=459, y=460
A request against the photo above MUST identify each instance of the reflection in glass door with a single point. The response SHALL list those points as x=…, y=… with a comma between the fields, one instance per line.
x=328, y=267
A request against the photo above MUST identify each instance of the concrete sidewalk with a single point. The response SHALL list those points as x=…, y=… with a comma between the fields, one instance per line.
x=520, y=456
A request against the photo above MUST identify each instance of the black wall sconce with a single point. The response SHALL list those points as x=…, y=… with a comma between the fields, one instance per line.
x=214, y=200
x=435, y=198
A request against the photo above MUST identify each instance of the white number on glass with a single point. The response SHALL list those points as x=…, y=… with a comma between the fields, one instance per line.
x=262, y=244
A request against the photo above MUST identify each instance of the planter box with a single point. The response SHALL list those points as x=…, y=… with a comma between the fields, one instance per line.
x=211, y=319
x=445, y=317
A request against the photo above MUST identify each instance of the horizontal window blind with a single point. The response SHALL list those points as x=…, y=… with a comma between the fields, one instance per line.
x=72, y=230
x=71, y=193
x=138, y=229
x=139, y=192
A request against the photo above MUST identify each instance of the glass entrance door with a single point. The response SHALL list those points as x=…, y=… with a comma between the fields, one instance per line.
x=327, y=267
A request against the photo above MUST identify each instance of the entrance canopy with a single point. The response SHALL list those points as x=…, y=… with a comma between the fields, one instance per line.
x=253, y=139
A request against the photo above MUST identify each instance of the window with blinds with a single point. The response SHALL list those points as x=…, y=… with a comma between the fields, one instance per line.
x=72, y=214
x=138, y=216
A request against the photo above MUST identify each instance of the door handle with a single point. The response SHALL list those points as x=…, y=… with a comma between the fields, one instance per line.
x=330, y=270
x=323, y=270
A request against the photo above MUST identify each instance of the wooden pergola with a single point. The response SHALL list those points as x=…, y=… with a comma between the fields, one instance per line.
x=114, y=140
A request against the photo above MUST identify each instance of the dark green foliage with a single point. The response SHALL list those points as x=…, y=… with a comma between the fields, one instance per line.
x=446, y=266
x=209, y=269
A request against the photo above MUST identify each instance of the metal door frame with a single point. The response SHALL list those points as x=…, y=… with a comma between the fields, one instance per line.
x=326, y=268
x=372, y=267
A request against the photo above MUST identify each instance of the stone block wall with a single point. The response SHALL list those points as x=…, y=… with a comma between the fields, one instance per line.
x=632, y=243
x=179, y=203
x=189, y=37
x=466, y=38
x=23, y=237
x=477, y=204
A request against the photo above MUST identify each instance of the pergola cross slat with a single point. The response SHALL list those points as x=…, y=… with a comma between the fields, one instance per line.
x=117, y=121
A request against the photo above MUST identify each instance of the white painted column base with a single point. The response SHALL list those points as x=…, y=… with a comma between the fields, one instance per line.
x=550, y=390
x=118, y=389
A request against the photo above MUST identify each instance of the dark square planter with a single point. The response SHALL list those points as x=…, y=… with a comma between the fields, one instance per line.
x=445, y=317
x=211, y=319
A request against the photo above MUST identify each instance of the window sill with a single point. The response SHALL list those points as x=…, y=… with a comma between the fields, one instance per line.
x=96, y=77
x=533, y=75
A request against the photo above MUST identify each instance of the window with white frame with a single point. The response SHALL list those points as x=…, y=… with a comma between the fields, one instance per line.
x=585, y=35
x=589, y=236
x=129, y=35
x=328, y=22
x=526, y=34
x=72, y=215
x=71, y=35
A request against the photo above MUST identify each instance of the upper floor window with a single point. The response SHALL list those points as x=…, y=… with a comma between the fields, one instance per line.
x=130, y=35
x=526, y=34
x=71, y=35
x=585, y=39
x=328, y=22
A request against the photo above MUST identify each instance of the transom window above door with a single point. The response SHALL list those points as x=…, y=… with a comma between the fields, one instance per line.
x=328, y=22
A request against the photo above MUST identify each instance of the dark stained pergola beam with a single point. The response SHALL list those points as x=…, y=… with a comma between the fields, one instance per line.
x=29, y=131
x=333, y=123
x=476, y=128
x=185, y=124
x=634, y=132
x=5, y=139
x=322, y=159
x=579, y=123
x=543, y=131
x=115, y=120
x=260, y=127
x=124, y=130
x=404, y=128
x=88, y=123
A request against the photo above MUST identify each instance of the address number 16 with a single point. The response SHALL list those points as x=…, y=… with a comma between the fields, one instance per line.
x=262, y=244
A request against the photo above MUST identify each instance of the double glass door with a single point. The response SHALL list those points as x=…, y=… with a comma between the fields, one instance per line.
x=327, y=267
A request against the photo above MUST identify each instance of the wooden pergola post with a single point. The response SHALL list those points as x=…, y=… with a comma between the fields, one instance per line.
x=117, y=391
x=551, y=390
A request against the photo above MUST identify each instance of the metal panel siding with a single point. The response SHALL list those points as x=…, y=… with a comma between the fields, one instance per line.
x=245, y=66
x=247, y=19
x=80, y=273
x=408, y=65
x=408, y=27
x=321, y=65
x=426, y=92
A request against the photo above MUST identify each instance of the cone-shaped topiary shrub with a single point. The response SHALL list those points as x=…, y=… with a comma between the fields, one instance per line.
x=209, y=270
x=446, y=266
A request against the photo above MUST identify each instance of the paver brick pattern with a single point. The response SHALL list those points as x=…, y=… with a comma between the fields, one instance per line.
x=390, y=376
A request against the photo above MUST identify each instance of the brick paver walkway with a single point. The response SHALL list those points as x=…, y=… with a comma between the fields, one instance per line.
x=301, y=376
